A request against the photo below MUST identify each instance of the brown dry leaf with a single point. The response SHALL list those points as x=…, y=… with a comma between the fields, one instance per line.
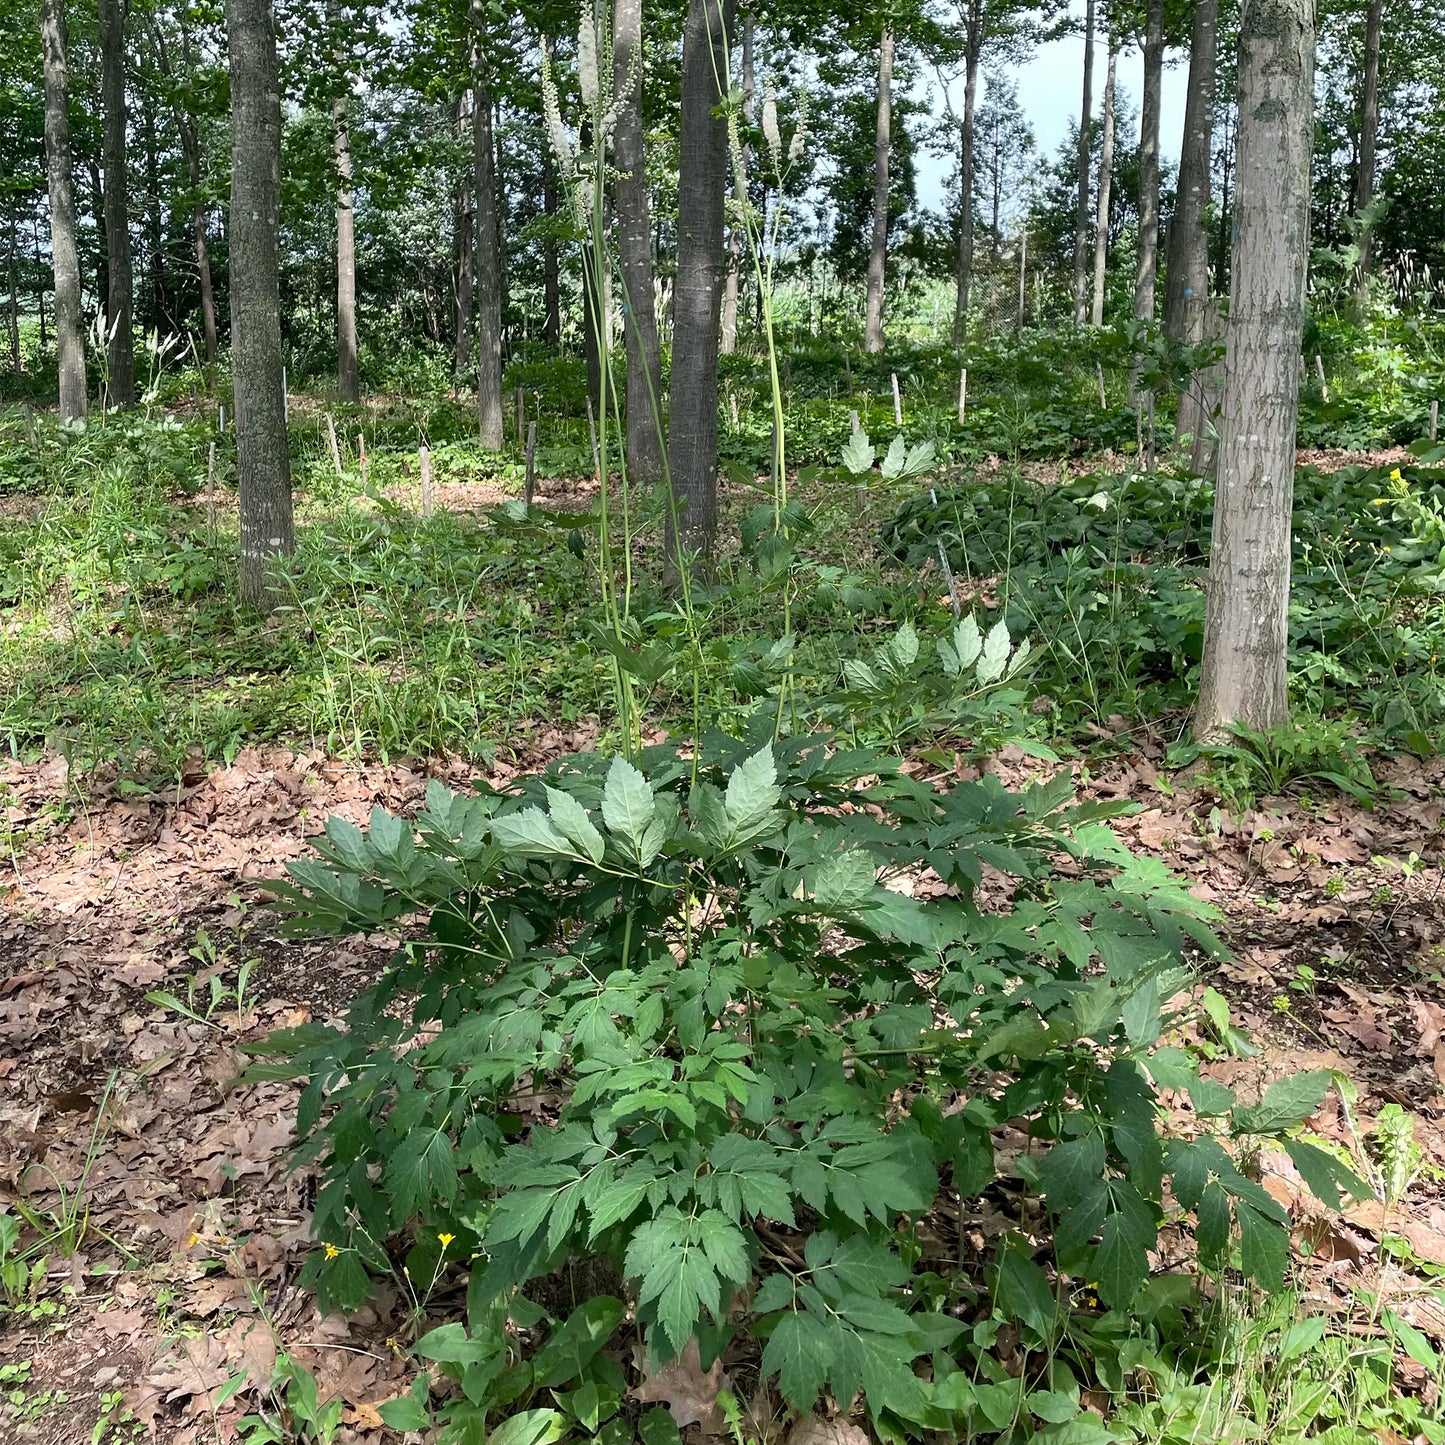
x=815, y=1430
x=689, y=1394
x=195, y=1366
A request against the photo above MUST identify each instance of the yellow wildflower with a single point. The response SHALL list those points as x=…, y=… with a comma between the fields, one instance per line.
x=1395, y=475
x=446, y=1239
x=331, y=1251
x=193, y=1241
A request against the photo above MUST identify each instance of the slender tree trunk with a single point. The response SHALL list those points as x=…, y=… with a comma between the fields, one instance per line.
x=119, y=303
x=973, y=50
x=1187, y=280
x=160, y=310
x=1081, y=210
x=191, y=146
x=1243, y=675
x=737, y=237
x=489, y=269
x=1147, y=268
x=263, y=461
x=464, y=243
x=697, y=292
x=1369, y=138
x=12, y=277
x=1106, y=185
x=645, y=458
x=551, y=280
x=348, y=379
x=873, y=339
x=69, y=340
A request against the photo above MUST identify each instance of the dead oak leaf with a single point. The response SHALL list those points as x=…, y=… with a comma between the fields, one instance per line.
x=689, y=1393
x=815, y=1430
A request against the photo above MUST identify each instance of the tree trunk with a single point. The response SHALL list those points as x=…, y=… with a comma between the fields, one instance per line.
x=489, y=269
x=464, y=243
x=1147, y=267
x=348, y=380
x=1369, y=138
x=645, y=459
x=551, y=280
x=1106, y=185
x=263, y=461
x=12, y=312
x=697, y=291
x=1081, y=209
x=120, y=301
x=1187, y=279
x=873, y=339
x=69, y=340
x=1243, y=677
x=191, y=146
x=159, y=309
x=973, y=51
x=737, y=237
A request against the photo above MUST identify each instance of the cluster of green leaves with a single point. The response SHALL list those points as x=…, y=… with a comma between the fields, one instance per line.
x=1110, y=569
x=687, y=1014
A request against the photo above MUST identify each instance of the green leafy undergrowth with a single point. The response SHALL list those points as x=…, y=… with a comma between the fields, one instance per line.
x=687, y=1023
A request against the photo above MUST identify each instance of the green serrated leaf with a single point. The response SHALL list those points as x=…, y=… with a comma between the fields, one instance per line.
x=572, y=819
x=844, y=881
x=857, y=455
x=530, y=833
x=628, y=802
x=752, y=792
x=994, y=656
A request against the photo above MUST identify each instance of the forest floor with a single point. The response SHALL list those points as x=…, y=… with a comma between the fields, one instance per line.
x=168, y=1316
x=175, y=1292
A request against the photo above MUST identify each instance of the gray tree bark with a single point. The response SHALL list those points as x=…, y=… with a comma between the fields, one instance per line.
x=120, y=301
x=1146, y=273
x=489, y=268
x=1187, y=280
x=736, y=237
x=69, y=339
x=464, y=239
x=1106, y=186
x=1081, y=209
x=1243, y=677
x=348, y=378
x=697, y=292
x=967, y=151
x=263, y=460
x=646, y=462
x=873, y=338
x=1369, y=141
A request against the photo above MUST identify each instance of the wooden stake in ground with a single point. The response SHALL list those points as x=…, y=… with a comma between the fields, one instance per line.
x=963, y=396
x=1320, y=372
x=596, y=452
x=335, y=445
x=530, y=485
x=1434, y=419
x=221, y=418
x=1099, y=372
x=211, y=489
x=897, y=400
x=1153, y=447
x=361, y=456
x=425, y=459
x=853, y=421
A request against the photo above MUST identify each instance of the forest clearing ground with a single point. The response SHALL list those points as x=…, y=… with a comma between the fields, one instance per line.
x=186, y=1272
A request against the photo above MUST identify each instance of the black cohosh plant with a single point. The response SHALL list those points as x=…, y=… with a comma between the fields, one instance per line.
x=737, y=1021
